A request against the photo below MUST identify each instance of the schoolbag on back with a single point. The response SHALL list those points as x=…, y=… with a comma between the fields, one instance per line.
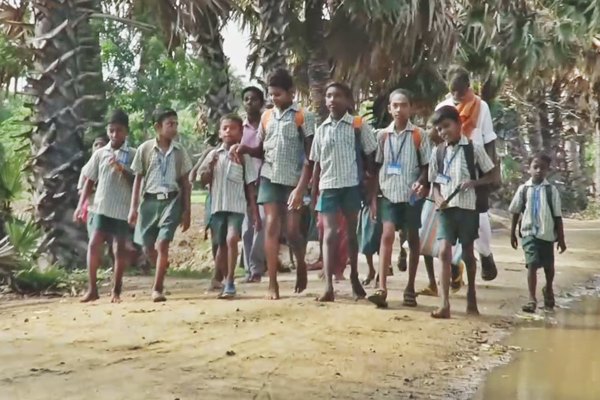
x=549, y=199
x=298, y=119
x=482, y=192
x=417, y=138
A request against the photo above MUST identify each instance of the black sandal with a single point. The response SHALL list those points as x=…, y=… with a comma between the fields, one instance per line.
x=379, y=298
x=530, y=307
x=410, y=299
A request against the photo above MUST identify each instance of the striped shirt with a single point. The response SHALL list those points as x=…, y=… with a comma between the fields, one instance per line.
x=455, y=167
x=284, y=151
x=160, y=176
x=250, y=138
x=227, y=186
x=81, y=183
x=399, y=148
x=537, y=219
x=334, y=148
x=113, y=190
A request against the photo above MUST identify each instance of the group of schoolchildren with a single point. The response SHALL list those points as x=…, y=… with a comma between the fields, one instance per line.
x=262, y=173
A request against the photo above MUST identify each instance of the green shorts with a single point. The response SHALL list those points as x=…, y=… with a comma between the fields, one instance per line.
x=221, y=223
x=111, y=226
x=157, y=221
x=538, y=253
x=458, y=224
x=333, y=200
x=269, y=192
x=403, y=215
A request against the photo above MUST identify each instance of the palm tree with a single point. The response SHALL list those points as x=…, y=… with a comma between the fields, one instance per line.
x=69, y=108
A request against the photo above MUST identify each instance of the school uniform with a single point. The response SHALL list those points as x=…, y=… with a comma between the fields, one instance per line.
x=113, y=189
x=400, y=162
x=459, y=220
x=538, y=228
x=228, y=203
x=161, y=206
x=335, y=149
x=284, y=154
x=88, y=206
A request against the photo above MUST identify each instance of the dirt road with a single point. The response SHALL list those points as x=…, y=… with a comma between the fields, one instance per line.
x=197, y=347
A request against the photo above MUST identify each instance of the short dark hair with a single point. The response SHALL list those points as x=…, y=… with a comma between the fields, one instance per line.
x=256, y=90
x=341, y=86
x=403, y=92
x=233, y=117
x=119, y=117
x=458, y=78
x=543, y=157
x=160, y=114
x=281, y=78
x=445, y=112
x=102, y=138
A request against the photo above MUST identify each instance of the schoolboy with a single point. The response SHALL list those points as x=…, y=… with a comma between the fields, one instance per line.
x=232, y=193
x=286, y=132
x=109, y=172
x=537, y=206
x=402, y=157
x=162, y=165
x=452, y=171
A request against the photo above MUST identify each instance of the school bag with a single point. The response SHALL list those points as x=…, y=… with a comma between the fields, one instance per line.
x=417, y=138
x=549, y=200
x=482, y=192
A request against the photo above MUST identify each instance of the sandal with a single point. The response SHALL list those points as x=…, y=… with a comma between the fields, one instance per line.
x=368, y=279
x=379, y=298
x=530, y=307
x=428, y=291
x=228, y=292
x=410, y=299
x=549, y=301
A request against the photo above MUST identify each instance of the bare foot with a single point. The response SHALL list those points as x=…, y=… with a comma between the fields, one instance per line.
x=158, y=297
x=273, y=292
x=472, y=304
x=90, y=295
x=326, y=297
x=358, y=292
x=315, y=266
x=115, y=298
x=441, y=313
x=301, y=281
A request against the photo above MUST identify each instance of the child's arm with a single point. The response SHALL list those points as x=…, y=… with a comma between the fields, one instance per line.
x=437, y=196
x=88, y=186
x=135, y=199
x=207, y=168
x=296, y=197
x=514, y=242
x=316, y=177
x=250, y=189
x=560, y=232
x=186, y=199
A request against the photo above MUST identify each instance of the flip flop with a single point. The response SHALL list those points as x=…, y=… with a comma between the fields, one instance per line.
x=549, y=301
x=368, y=280
x=530, y=307
x=229, y=292
x=410, y=299
x=428, y=291
x=379, y=298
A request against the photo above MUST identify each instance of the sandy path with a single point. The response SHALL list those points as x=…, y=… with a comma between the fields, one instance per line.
x=197, y=347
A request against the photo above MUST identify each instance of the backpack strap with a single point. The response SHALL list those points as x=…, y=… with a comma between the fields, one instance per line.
x=549, y=199
x=266, y=118
x=357, y=124
x=440, y=154
x=470, y=159
x=417, y=138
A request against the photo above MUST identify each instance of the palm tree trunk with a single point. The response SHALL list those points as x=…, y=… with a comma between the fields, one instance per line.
x=272, y=49
x=70, y=105
x=597, y=142
x=318, y=64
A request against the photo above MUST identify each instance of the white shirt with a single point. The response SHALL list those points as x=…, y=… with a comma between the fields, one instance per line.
x=484, y=132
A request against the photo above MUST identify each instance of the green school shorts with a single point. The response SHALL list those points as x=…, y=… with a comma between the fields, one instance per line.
x=403, y=215
x=345, y=199
x=538, y=253
x=223, y=222
x=458, y=224
x=157, y=220
x=269, y=192
x=111, y=226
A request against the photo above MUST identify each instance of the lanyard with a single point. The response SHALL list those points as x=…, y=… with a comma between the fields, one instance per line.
x=451, y=159
x=163, y=163
x=391, y=147
x=535, y=209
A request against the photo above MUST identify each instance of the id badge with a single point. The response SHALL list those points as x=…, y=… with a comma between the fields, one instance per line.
x=442, y=179
x=394, y=169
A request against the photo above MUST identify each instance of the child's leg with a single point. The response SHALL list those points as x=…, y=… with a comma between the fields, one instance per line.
x=413, y=264
x=273, y=215
x=233, y=238
x=430, y=272
x=121, y=258
x=371, y=274
x=351, y=223
x=297, y=242
x=162, y=263
x=94, y=258
x=532, y=282
x=549, y=289
x=446, y=259
x=385, y=252
x=329, y=257
x=468, y=257
x=342, y=251
x=402, y=256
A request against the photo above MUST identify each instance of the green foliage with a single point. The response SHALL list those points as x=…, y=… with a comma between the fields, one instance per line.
x=26, y=237
x=34, y=280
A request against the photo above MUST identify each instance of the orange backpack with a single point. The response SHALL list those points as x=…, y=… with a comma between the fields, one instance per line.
x=417, y=139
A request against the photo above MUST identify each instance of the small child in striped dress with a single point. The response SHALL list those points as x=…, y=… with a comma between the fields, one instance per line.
x=536, y=210
x=231, y=191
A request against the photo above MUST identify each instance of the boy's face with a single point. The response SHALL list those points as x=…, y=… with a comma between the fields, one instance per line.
x=449, y=130
x=168, y=127
x=117, y=134
x=538, y=169
x=98, y=144
x=230, y=132
x=280, y=97
x=399, y=108
x=252, y=102
x=336, y=101
x=458, y=91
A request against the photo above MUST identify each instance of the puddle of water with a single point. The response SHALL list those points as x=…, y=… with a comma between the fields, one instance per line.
x=560, y=360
